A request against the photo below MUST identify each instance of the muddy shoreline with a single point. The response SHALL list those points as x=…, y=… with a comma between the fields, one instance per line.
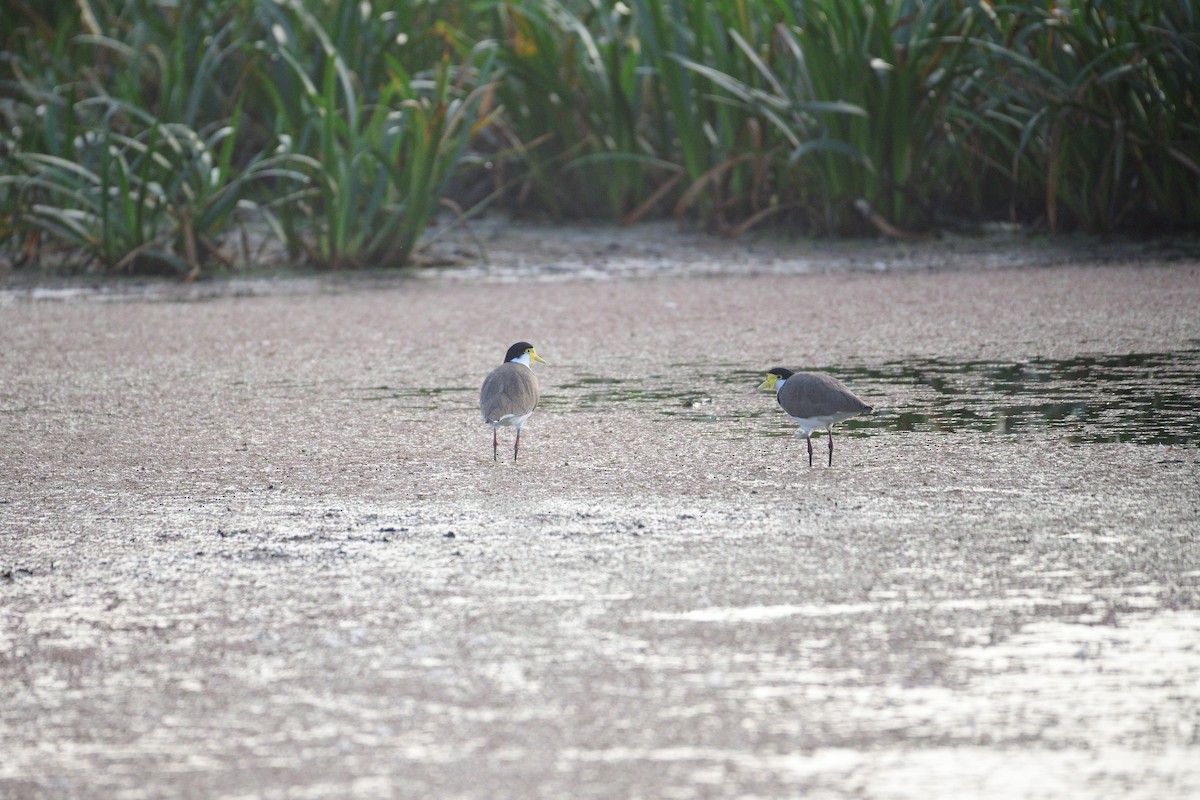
x=254, y=543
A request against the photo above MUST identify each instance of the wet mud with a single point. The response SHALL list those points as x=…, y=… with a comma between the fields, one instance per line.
x=253, y=542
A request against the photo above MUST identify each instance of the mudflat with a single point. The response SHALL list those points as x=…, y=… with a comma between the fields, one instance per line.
x=253, y=542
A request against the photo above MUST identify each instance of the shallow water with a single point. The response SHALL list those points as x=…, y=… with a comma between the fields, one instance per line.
x=1141, y=398
x=1138, y=398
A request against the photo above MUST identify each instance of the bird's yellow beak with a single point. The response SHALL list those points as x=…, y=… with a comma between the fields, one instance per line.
x=770, y=382
x=533, y=356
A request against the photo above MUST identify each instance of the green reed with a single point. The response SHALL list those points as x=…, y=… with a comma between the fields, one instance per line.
x=1091, y=110
x=147, y=136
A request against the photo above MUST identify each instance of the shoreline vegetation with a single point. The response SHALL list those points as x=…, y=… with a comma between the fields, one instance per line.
x=183, y=139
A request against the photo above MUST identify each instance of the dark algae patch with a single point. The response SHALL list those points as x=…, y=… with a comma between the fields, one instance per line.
x=1139, y=398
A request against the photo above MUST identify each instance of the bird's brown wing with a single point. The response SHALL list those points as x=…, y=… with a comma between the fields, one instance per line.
x=813, y=394
x=509, y=390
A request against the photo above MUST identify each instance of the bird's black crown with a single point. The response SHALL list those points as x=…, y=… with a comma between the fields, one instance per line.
x=783, y=372
x=516, y=351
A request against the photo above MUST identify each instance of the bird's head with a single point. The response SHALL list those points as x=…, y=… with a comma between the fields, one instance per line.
x=775, y=375
x=523, y=353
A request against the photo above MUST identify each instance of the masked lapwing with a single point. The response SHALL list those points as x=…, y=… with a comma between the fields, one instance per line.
x=510, y=394
x=813, y=400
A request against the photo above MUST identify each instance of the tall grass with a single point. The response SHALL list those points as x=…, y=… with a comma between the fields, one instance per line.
x=145, y=135
x=154, y=200
x=923, y=111
x=384, y=142
x=1093, y=108
x=578, y=123
x=166, y=120
x=897, y=63
x=737, y=111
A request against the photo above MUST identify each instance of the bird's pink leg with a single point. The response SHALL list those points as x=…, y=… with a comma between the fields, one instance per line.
x=516, y=445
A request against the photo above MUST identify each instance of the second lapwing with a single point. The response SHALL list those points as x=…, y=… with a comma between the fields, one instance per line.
x=814, y=400
x=510, y=394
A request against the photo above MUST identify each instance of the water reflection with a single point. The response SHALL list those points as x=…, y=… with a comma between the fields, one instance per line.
x=1144, y=398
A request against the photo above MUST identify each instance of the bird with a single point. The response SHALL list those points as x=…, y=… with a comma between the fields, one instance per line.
x=813, y=400
x=510, y=394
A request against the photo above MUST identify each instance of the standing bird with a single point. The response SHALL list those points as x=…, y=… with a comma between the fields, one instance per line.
x=813, y=400
x=510, y=394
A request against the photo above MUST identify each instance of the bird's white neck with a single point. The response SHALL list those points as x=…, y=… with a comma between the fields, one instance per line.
x=779, y=385
x=522, y=359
